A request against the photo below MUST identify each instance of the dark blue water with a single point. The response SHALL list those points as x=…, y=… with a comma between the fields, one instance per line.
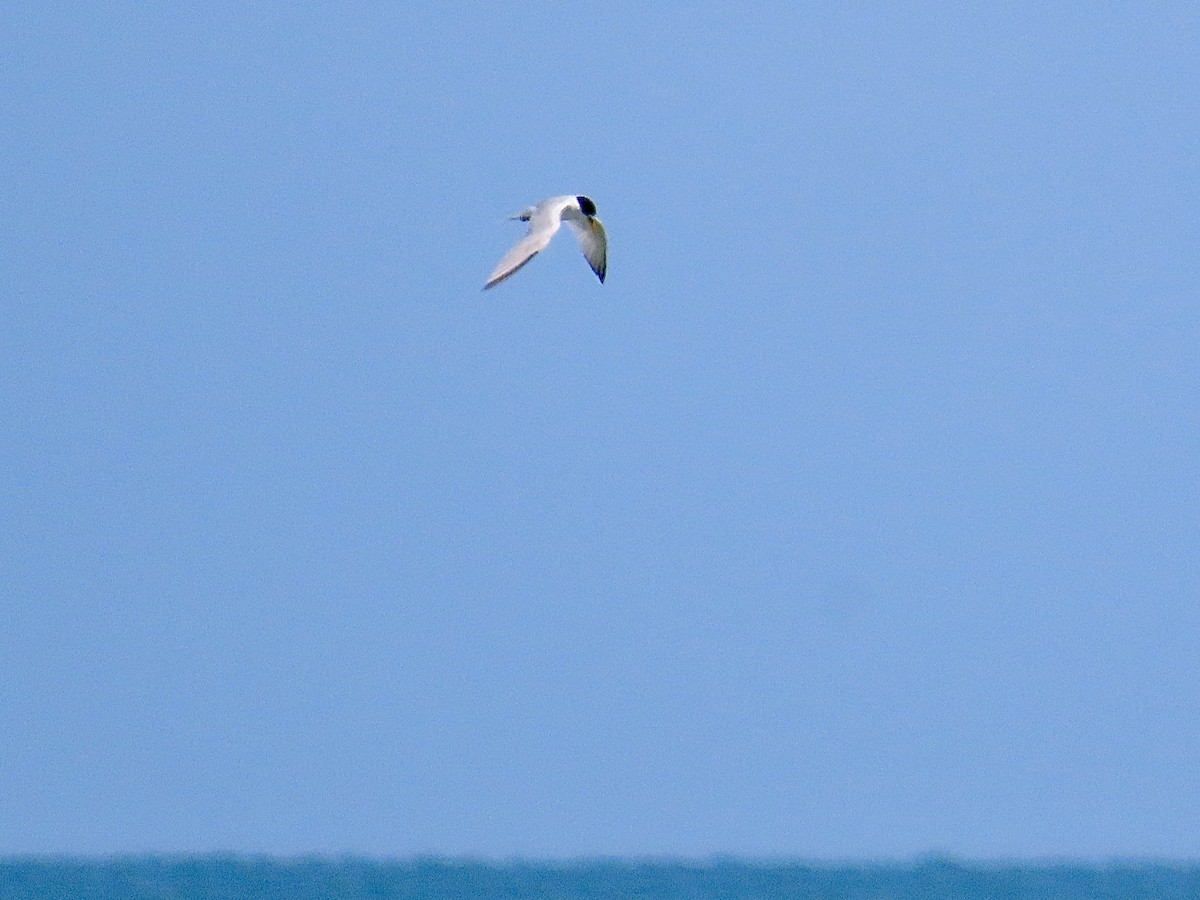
x=182, y=878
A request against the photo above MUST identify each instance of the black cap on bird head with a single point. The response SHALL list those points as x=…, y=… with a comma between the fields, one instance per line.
x=588, y=207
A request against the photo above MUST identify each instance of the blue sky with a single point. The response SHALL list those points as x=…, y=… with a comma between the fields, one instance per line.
x=854, y=516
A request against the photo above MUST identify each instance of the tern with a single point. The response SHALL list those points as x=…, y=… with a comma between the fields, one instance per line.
x=545, y=218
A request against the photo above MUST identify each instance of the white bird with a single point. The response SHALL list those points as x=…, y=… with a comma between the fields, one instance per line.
x=545, y=218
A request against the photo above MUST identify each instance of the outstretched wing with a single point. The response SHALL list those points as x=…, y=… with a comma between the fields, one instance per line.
x=593, y=242
x=525, y=250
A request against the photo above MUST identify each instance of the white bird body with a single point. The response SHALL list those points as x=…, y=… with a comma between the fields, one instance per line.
x=545, y=218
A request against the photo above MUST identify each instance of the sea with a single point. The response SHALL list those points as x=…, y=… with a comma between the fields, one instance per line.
x=351, y=878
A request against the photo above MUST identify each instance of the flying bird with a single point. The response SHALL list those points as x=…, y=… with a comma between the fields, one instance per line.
x=545, y=218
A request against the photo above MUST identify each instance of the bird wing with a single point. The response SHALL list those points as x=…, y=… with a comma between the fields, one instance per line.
x=526, y=249
x=593, y=242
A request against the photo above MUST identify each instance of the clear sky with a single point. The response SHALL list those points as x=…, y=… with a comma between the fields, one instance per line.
x=856, y=515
